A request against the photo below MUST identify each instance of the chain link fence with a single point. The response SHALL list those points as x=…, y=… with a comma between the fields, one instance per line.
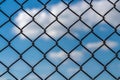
x=59, y=40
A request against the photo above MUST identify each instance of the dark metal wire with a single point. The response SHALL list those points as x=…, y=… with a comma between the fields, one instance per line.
x=57, y=41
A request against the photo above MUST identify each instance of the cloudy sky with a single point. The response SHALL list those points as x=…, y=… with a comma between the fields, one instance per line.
x=44, y=30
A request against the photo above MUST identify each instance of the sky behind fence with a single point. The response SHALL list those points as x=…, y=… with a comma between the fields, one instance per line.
x=60, y=39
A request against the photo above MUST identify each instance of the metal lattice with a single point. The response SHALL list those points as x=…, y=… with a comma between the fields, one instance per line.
x=29, y=36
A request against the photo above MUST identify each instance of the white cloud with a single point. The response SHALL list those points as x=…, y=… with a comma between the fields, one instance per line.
x=94, y=45
x=97, y=6
x=77, y=55
x=44, y=18
x=58, y=55
x=112, y=44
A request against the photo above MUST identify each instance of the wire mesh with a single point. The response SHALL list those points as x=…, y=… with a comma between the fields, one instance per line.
x=71, y=40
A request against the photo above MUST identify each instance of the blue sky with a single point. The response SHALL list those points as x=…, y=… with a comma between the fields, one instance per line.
x=66, y=45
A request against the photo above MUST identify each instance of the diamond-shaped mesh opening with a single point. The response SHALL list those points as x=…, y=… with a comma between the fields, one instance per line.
x=44, y=69
x=68, y=68
x=32, y=30
x=9, y=8
x=80, y=55
x=91, y=18
x=92, y=42
x=104, y=55
x=80, y=8
x=22, y=19
x=103, y=30
x=94, y=68
x=79, y=30
x=32, y=56
x=24, y=43
x=6, y=31
x=20, y=71
x=8, y=56
x=68, y=40
x=44, y=18
x=97, y=7
x=56, y=30
x=56, y=55
x=44, y=43
x=67, y=15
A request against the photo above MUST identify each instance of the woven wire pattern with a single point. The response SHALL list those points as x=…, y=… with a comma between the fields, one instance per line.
x=28, y=58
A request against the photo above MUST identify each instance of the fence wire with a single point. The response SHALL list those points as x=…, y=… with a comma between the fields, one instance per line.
x=28, y=41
